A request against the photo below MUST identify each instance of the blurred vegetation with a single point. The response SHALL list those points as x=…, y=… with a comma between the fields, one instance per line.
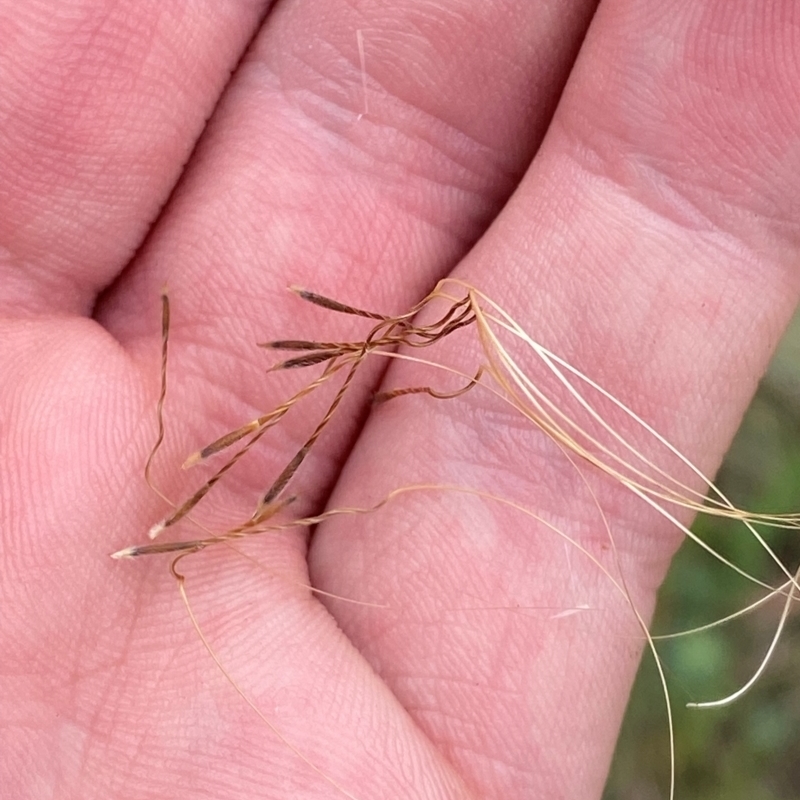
x=751, y=749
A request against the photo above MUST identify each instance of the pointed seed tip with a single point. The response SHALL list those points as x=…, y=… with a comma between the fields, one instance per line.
x=194, y=459
x=156, y=530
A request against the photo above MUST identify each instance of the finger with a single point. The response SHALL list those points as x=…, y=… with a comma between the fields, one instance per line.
x=100, y=106
x=295, y=184
x=653, y=245
x=290, y=186
x=333, y=165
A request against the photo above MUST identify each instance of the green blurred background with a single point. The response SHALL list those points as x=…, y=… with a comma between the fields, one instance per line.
x=750, y=750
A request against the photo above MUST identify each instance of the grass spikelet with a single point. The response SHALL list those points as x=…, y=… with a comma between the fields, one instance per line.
x=573, y=411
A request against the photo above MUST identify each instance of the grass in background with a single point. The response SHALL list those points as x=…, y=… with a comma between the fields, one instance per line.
x=750, y=750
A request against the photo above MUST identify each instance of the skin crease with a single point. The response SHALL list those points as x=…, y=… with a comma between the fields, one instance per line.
x=651, y=241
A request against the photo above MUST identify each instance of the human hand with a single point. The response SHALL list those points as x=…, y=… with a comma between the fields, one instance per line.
x=651, y=242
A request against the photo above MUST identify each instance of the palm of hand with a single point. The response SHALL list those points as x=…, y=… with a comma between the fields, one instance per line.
x=107, y=690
